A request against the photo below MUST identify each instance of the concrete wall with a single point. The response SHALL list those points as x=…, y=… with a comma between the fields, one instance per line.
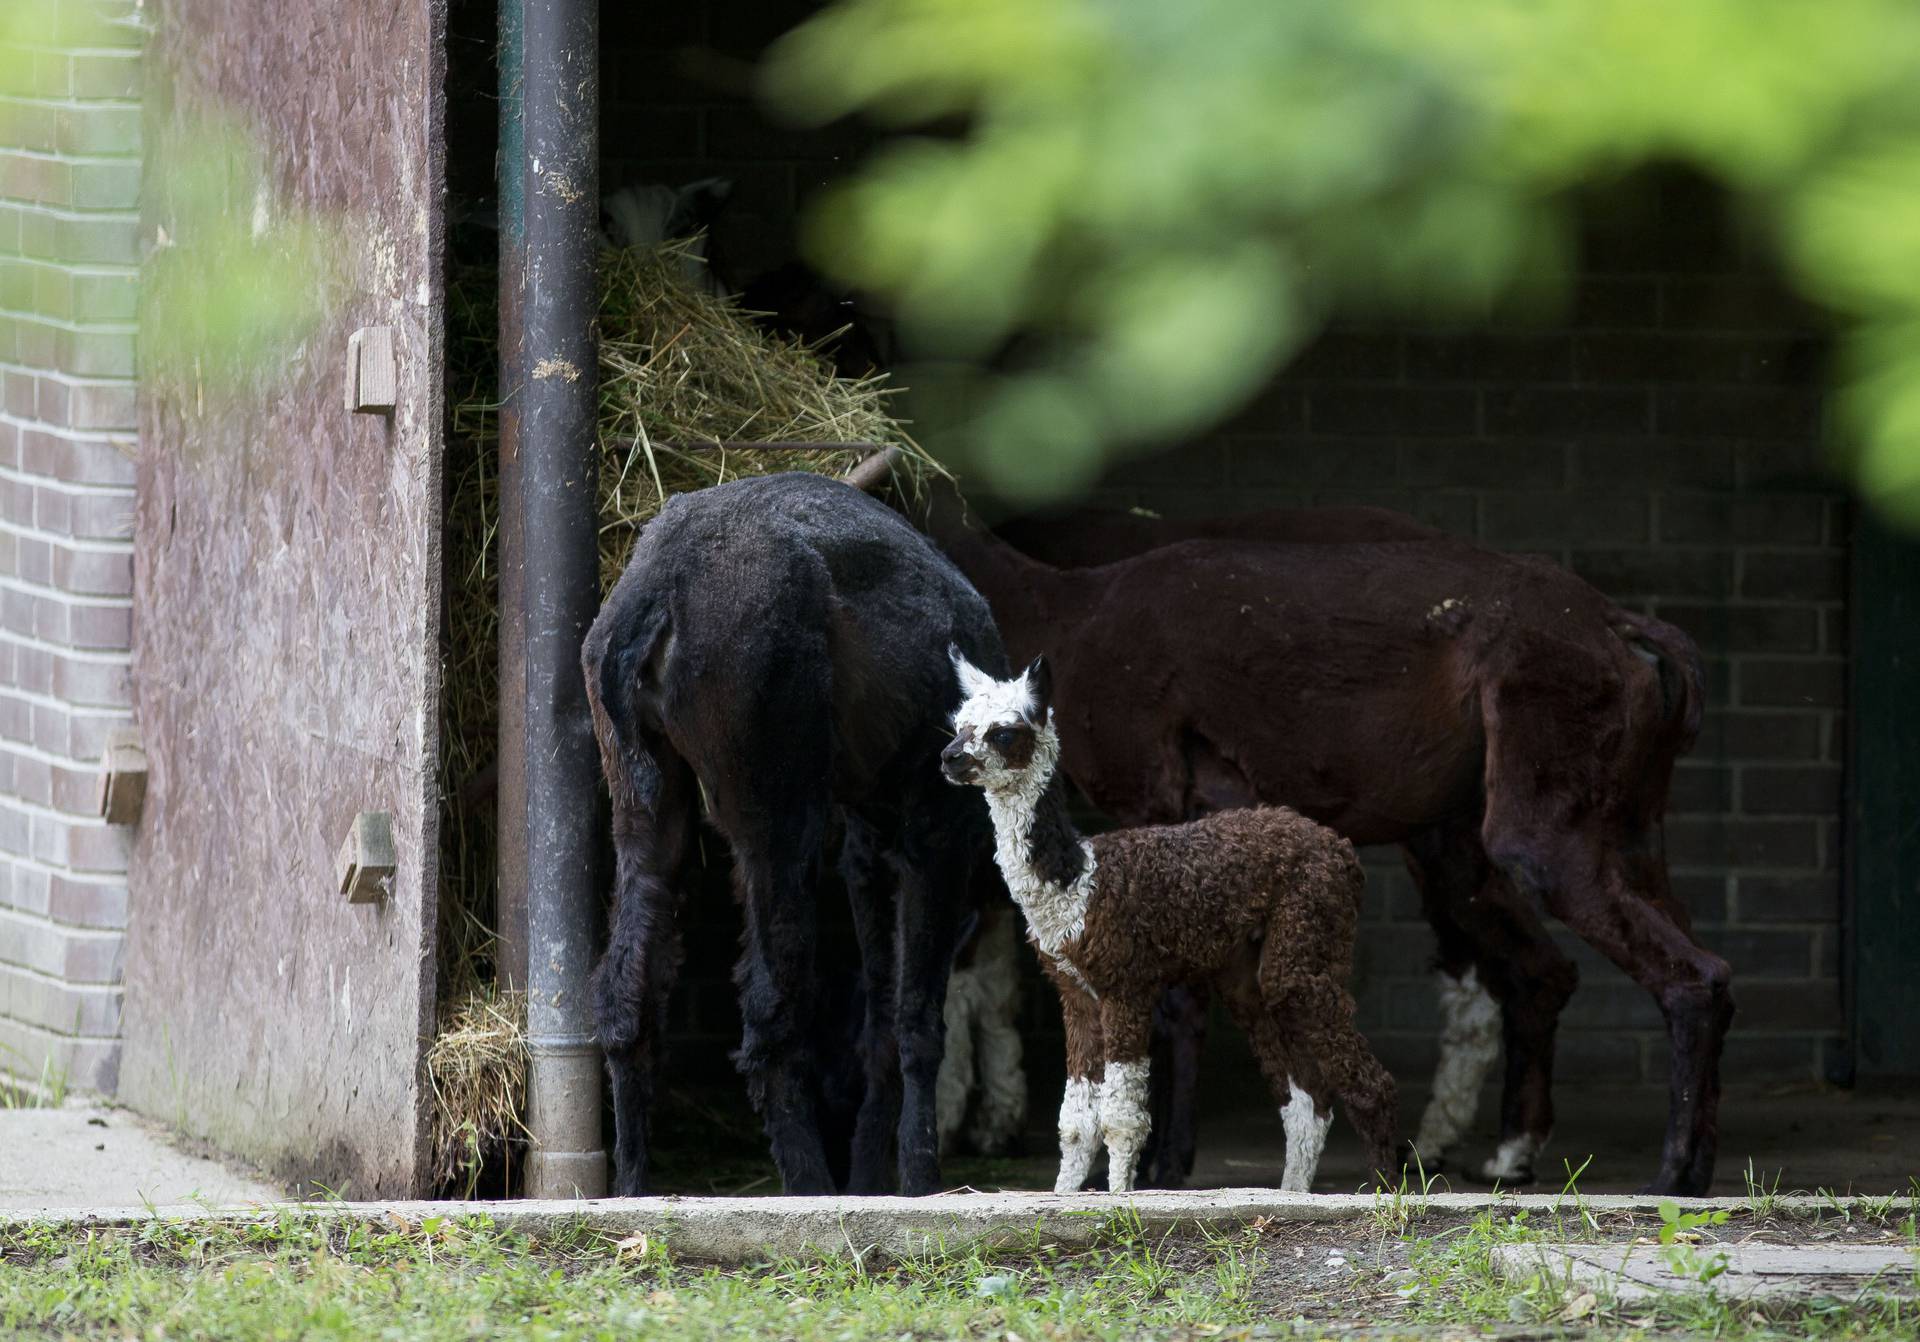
x=69, y=186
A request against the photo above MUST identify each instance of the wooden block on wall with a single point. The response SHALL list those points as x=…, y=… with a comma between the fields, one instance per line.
x=123, y=777
x=373, y=371
x=367, y=861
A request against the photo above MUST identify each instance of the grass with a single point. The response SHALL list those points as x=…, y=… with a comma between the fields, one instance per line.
x=46, y=1091
x=1452, y=1279
x=469, y=1278
x=290, y=1275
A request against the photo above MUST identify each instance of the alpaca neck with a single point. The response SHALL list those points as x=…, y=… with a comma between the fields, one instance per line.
x=1032, y=602
x=1047, y=865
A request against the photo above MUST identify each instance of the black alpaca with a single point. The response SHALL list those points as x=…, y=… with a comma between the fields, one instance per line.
x=776, y=649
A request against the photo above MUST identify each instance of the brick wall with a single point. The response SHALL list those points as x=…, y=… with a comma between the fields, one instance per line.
x=69, y=180
x=1659, y=436
x=676, y=108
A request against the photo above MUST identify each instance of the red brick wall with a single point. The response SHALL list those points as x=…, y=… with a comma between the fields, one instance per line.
x=69, y=180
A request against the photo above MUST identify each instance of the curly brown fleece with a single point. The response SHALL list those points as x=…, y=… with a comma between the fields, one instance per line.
x=1260, y=905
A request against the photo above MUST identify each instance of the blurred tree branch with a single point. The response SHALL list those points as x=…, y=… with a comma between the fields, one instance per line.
x=1164, y=201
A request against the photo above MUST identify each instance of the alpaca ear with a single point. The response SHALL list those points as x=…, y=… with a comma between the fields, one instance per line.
x=972, y=678
x=1039, y=678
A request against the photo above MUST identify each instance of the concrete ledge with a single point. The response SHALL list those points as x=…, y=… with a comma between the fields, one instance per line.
x=732, y=1230
x=1631, y=1272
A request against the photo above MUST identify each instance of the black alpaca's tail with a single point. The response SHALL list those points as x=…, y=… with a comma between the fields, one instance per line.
x=620, y=650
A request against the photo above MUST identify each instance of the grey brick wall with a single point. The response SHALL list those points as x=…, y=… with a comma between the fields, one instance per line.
x=1660, y=436
x=69, y=185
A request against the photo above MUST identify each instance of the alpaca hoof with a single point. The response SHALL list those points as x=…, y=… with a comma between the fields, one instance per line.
x=1515, y=1175
x=1417, y=1162
x=1675, y=1186
x=1163, y=1176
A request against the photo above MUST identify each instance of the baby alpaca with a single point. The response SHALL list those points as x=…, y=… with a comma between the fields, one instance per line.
x=1258, y=904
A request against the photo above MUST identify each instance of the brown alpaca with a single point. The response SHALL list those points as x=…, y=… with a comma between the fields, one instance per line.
x=1509, y=726
x=1260, y=905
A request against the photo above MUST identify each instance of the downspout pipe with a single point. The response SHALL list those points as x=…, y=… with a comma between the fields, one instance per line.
x=549, y=777
x=510, y=889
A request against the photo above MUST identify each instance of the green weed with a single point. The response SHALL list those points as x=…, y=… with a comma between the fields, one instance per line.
x=1395, y=1209
x=1679, y=1233
x=48, y=1090
x=1762, y=1197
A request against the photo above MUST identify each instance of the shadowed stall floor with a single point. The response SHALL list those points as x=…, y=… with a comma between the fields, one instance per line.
x=1845, y=1141
x=1808, y=1139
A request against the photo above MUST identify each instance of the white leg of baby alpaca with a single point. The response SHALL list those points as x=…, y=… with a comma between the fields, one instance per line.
x=1306, y=1139
x=1469, y=1046
x=1125, y=1120
x=1079, y=1134
x=1512, y=1162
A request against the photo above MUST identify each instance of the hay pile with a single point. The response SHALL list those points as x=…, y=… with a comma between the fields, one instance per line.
x=477, y=1066
x=678, y=368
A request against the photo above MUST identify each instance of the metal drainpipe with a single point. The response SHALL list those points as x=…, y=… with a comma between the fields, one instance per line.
x=510, y=890
x=549, y=577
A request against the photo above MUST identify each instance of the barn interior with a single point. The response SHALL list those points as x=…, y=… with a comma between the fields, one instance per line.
x=1663, y=436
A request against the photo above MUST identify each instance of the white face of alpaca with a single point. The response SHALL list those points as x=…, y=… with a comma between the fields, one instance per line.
x=1003, y=730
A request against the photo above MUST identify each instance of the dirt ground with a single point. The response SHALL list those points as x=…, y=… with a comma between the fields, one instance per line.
x=1361, y=1271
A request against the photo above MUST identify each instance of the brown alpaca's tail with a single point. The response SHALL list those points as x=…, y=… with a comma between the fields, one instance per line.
x=1676, y=658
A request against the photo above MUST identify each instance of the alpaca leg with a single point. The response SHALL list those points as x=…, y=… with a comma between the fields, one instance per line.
x=869, y=884
x=635, y=976
x=1080, y=1104
x=958, y=1074
x=1574, y=799
x=1079, y=1133
x=1533, y=981
x=1615, y=899
x=1469, y=1046
x=1124, y=1120
x=1313, y=1012
x=1306, y=1125
x=1501, y=977
x=1286, y=1068
x=1000, y=1110
x=933, y=862
x=1364, y=1087
x=777, y=875
x=1179, y=1039
x=1124, y=1117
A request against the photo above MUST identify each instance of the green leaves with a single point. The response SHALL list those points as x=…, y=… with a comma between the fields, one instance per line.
x=237, y=278
x=1160, y=203
x=1680, y=1232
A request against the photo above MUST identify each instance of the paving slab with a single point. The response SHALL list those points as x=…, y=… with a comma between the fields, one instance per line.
x=83, y=1155
x=1630, y=1272
x=746, y=1229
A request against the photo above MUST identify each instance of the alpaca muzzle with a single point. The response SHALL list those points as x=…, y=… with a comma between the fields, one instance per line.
x=955, y=763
